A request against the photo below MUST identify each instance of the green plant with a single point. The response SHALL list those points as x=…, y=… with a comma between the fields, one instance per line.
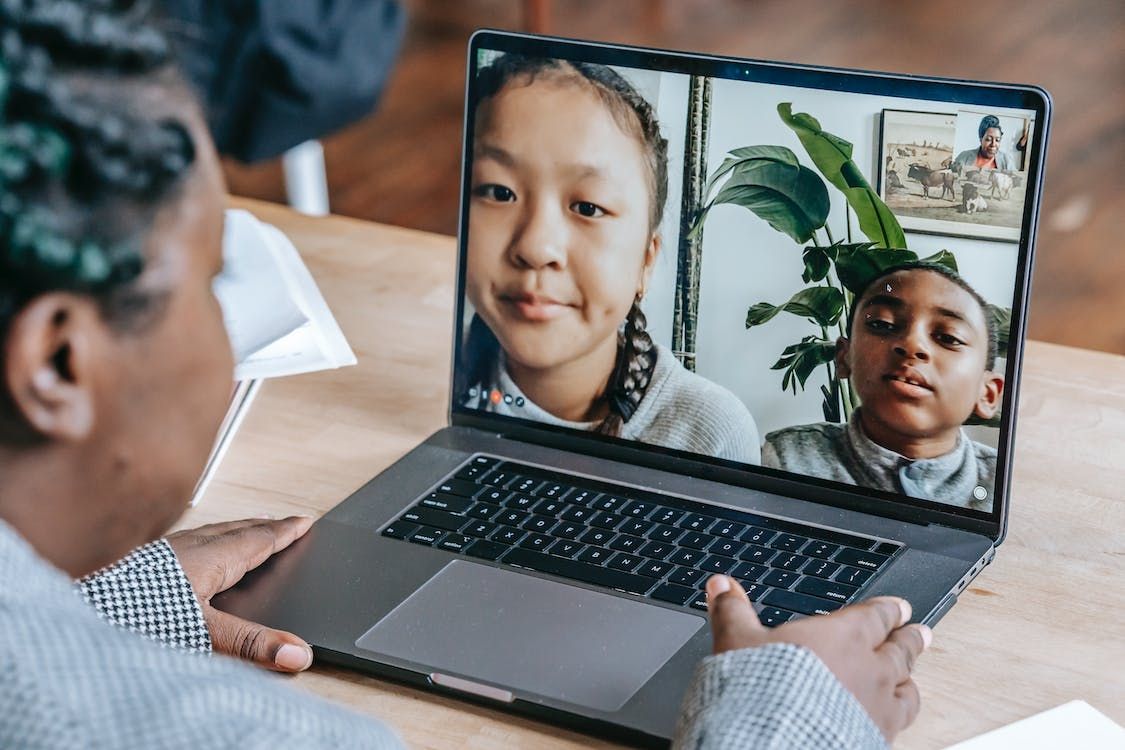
x=793, y=199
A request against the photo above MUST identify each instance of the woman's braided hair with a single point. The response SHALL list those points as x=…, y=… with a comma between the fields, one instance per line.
x=83, y=167
x=636, y=356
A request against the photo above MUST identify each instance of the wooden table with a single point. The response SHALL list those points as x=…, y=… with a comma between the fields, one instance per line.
x=1041, y=626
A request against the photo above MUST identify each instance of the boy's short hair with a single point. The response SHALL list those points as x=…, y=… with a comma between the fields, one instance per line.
x=920, y=265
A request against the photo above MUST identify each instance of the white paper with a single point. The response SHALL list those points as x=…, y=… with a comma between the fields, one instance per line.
x=1072, y=725
x=258, y=307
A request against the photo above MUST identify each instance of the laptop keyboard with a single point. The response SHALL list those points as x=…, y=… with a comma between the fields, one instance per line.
x=644, y=543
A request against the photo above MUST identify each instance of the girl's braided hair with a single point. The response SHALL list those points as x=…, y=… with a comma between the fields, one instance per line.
x=636, y=358
x=84, y=166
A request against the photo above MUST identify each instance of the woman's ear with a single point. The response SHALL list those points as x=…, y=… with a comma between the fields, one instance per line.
x=843, y=369
x=991, y=392
x=651, y=253
x=49, y=360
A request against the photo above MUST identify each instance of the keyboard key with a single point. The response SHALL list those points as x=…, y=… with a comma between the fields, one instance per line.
x=653, y=568
x=821, y=568
x=581, y=496
x=788, y=542
x=887, y=548
x=538, y=542
x=526, y=484
x=771, y=617
x=604, y=520
x=599, y=537
x=471, y=473
x=427, y=535
x=781, y=579
x=568, y=530
x=686, y=576
x=486, y=550
x=554, y=491
x=670, y=592
x=808, y=605
x=455, y=542
x=787, y=562
x=520, y=502
x=479, y=529
x=500, y=478
x=667, y=515
x=539, y=524
x=656, y=550
x=595, y=555
x=838, y=592
x=565, y=548
x=635, y=527
x=448, y=503
x=755, y=591
x=717, y=564
x=729, y=529
x=757, y=535
x=507, y=535
x=458, y=487
x=627, y=543
x=745, y=571
x=756, y=554
x=688, y=557
x=483, y=511
x=577, y=514
x=860, y=559
x=579, y=571
x=512, y=517
x=625, y=562
x=695, y=522
x=638, y=508
x=400, y=529
x=852, y=576
x=438, y=518
x=728, y=547
x=609, y=503
x=493, y=496
x=823, y=550
x=664, y=533
x=549, y=507
x=695, y=540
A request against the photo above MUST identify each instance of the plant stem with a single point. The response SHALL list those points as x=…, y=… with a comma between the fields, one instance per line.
x=829, y=233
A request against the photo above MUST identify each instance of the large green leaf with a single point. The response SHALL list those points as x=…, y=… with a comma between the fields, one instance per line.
x=942, y=258
x=818, y=261
x=820, y=304
x=739, y=156
x=791, y=199
x=833, y=157
x=800, y=360
x=858, y=263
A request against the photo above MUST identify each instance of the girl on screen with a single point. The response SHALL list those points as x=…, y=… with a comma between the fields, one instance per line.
x=569, y=181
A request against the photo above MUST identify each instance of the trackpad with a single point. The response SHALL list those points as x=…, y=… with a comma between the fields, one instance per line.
x=531, y=635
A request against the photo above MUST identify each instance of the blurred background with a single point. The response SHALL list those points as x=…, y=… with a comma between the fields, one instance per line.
x=401, y=164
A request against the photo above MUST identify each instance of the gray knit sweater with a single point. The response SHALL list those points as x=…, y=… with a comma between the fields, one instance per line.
x=679, y=410
x=965, y=476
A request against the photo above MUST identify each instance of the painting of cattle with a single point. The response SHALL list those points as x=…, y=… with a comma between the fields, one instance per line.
x=931, y=190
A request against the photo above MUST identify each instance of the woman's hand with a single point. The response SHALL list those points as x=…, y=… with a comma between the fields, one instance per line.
x=867, y=646
x=217, y=556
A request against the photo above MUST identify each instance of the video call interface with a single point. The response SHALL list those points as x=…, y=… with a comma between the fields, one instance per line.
x=815, y=281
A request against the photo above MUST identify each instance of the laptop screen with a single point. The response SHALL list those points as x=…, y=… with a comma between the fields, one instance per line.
x=806, y=272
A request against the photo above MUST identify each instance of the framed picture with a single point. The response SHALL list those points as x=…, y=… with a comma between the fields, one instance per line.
x=947, y=173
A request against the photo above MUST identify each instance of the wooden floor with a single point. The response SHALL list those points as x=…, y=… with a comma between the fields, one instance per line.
x=401, y=165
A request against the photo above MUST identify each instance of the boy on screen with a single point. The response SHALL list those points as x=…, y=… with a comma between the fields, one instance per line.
x=920, y=351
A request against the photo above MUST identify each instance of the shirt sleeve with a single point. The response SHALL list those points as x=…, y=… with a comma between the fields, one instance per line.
x=775, y=696
x=148, y=593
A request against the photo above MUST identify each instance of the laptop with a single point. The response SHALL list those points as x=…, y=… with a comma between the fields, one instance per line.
x=713, y=315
